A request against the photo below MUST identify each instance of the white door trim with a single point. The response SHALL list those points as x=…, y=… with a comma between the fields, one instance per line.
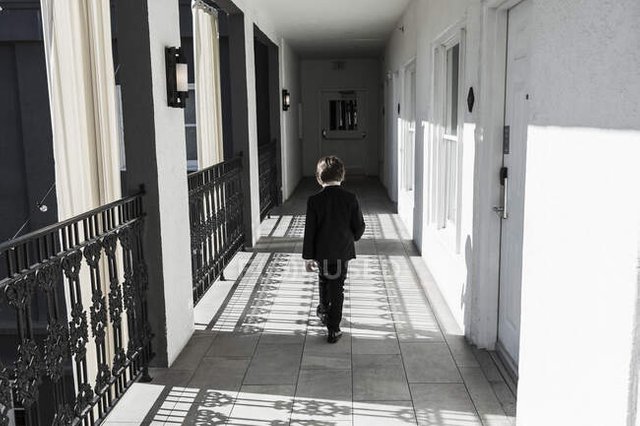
x=482, y=326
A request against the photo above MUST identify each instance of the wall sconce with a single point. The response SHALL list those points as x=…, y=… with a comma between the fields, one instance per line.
x=177, y=77
x=286, y=100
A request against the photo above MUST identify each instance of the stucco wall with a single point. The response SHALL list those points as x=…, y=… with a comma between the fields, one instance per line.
x=291, y=143
x=424, y=22
x=580, y=345
x=580, y=270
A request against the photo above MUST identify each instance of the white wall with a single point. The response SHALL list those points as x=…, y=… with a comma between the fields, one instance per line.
x=400, y=50
x=580, y=339
x=318, y=75
x=291, y=143
x=424, y=22
x=172, y=183
x=580, y=269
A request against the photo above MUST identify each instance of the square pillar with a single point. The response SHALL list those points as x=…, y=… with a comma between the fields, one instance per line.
x=156, y=158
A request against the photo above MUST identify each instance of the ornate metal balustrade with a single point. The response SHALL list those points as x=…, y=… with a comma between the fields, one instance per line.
x=215, y=210
x=73, y=317
x=268, y=171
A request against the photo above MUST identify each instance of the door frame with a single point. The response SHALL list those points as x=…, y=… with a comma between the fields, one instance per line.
x=482, y=326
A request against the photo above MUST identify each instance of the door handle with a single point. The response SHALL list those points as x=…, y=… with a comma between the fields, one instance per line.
x=504, y=180
x=324, y=133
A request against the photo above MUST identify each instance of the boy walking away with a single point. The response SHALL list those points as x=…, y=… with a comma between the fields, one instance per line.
x=334, y=222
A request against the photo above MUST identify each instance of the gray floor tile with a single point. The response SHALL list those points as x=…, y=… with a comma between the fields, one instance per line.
x=462, y=353
x=325, y=384
x=209, y=407
x=220, y=373
x=233, y=345
x=383, y=413
x=170, y=376
x=379, y=378
x=263, y=404
x=274, y=364
x=315, y=361
x=385, y=344
x=429, y=363
x=483, y=397
x=443, y=404
x=193, y=352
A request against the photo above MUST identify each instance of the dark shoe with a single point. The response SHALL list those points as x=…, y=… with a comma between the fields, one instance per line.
x=334, y=336
x=321, y=313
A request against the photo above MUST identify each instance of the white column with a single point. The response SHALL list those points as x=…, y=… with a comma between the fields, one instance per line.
x=156, y=158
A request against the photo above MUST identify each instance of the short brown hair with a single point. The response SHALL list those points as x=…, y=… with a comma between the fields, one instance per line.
x=330, y=169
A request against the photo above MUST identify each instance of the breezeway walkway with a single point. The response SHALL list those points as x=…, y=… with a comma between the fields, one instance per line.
x=260, y=355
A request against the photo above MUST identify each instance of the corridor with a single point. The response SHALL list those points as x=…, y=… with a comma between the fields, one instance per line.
x=263, y=359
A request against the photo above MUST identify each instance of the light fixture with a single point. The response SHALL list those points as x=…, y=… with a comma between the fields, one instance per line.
x=177, y=77
x=286, y=100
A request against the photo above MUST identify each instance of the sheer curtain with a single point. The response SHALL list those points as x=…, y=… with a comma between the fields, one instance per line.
x=77, y=39
x=207, y=81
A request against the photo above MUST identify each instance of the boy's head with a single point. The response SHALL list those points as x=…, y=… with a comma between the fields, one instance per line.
x=329, y=169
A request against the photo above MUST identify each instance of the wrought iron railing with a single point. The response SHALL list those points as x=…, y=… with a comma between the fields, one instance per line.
x=215, y=210
x=73, y=317
x=268, y=172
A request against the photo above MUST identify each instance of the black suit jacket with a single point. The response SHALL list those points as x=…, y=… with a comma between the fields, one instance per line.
x=334, y=221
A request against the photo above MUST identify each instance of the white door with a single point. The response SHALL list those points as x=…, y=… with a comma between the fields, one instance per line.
x=344, y=129
x=513, y=174
x=407, y=148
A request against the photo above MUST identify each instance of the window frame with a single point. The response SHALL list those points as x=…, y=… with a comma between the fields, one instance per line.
x=446, y=150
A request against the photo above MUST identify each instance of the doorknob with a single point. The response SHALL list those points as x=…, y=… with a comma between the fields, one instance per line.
x=504, y=180
x=324, y=133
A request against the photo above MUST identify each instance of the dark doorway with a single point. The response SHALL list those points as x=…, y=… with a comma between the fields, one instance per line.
x=268, y=121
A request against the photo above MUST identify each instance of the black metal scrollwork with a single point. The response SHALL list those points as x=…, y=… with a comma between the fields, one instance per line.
x=65, y=262
x=5, y=395
x=215, y=210
x=27, y=370
x=56, y=350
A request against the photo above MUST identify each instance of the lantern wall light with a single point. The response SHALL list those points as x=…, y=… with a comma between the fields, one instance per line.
x=177, y=77
x=286, y=100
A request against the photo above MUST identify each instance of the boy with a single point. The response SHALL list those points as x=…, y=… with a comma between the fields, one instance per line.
x=334, y=221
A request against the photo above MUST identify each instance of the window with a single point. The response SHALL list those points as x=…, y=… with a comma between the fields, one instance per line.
x=450, y=140
x=342, y=115
x=445, y=146
x=408, y=128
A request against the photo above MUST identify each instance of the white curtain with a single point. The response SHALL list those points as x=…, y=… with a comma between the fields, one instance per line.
x=207, y=81
x=77, y=38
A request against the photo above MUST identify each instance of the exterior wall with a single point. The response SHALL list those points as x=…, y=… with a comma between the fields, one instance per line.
x=318, y=75
x=291, y=143
x=582, y=208
x=582, y=211
x=424, y=22
x=400, y=50
x=26, y=163
x=172, y=182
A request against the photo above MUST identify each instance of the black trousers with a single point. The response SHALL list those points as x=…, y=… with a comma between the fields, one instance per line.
x=331, y=278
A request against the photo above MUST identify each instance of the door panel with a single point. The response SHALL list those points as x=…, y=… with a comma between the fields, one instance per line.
x=344, y=128
x=517, y=118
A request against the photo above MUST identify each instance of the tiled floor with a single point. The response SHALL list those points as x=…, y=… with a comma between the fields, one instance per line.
x=262, y=359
